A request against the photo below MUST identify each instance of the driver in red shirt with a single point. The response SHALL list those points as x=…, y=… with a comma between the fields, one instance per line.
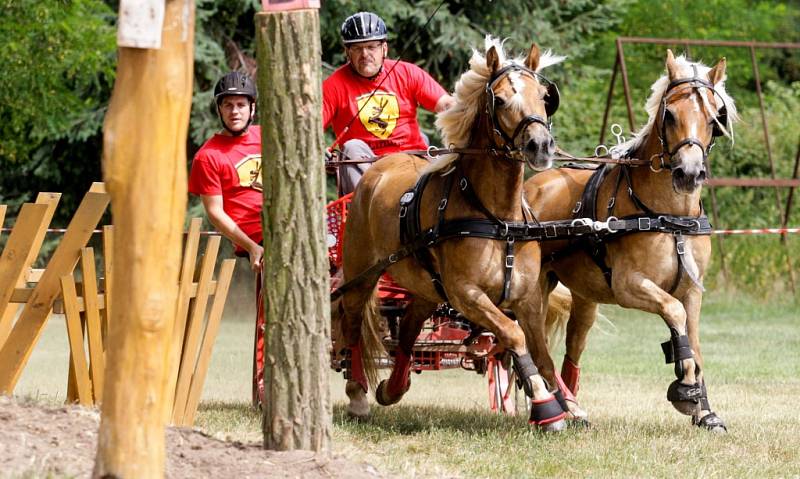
x=371, y=102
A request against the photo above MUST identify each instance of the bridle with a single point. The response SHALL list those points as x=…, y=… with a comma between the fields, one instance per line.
x=695, y=83
x=508, y=148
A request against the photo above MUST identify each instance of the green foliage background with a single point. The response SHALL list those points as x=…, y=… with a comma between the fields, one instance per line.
x=58, y=65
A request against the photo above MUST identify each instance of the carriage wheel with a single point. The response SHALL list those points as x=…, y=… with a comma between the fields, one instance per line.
x=504, y=397
x=258, y=349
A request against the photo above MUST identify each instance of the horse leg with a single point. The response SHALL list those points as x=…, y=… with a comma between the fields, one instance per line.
x=546, y=412
x=704, y=417
x=581, y=319
x=356, y=304
x=392, y=390
x=635, y=290
x=533, y=322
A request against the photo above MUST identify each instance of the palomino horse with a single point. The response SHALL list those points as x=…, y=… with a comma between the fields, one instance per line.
x=654, y=256
x=499, y=123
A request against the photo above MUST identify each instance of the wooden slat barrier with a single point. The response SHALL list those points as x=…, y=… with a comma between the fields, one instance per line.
x=194, y=333
x=17, y=348
x=86, y=303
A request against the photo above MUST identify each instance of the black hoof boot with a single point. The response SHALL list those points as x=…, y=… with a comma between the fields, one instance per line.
x=710, y=421
x=685, y=397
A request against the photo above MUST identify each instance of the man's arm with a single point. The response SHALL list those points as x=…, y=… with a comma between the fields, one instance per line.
x=445, y=102
x=229, y=228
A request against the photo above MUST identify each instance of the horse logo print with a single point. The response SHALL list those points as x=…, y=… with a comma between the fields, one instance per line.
x=249, y=171
x=378, y=113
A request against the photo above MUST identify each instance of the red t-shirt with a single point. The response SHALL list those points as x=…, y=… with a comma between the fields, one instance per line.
x=231, y=166
x=388, y=123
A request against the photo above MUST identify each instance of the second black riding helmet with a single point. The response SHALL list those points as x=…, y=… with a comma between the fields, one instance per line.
x=235, y=83
x=363, y=27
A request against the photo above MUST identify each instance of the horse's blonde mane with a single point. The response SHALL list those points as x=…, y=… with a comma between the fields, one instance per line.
x=685, y=70
x=455, y=123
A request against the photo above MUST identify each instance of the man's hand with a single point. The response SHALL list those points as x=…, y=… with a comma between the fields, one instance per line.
x=256, y=256
x=330, y=157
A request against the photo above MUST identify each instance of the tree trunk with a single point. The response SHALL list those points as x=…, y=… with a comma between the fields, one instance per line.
x=297, y=411
x=144, y=165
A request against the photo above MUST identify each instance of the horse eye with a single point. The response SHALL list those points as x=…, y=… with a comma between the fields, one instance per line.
x=668, y=117
x=499, y=102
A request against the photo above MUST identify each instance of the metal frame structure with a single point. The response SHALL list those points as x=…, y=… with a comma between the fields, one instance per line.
x=773, y=182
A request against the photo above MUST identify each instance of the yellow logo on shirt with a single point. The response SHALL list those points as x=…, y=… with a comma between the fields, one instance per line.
x=249, y=171
x=378, y=113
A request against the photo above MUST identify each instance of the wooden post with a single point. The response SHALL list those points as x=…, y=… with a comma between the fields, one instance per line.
x=297, y=412
x=144, y=165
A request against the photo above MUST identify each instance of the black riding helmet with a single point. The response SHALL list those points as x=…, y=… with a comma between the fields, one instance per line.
x=363, y=27
x=235, y=83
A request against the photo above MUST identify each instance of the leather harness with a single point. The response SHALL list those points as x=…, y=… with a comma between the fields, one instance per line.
x=584, y=230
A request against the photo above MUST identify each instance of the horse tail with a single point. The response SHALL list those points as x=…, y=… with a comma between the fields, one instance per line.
x=558, y=310
x=372, y=349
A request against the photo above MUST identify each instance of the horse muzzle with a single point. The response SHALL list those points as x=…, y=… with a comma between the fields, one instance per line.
x=538, y=152
x=687, y=182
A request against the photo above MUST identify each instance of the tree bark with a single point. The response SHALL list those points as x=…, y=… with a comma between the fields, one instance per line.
x=144, y=165
x=297, y=412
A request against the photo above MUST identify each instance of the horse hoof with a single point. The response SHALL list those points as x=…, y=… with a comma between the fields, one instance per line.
x=555, y=426
x=579, y=423
x=358, y=407
x=710, y=422
x=687, y=408
x=382, y=396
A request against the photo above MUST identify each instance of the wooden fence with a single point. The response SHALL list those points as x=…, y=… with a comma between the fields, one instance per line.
x=28, y=296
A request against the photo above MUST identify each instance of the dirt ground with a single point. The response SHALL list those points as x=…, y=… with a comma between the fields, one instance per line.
x=36, y=441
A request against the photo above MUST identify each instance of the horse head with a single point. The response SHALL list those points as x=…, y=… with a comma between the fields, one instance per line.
x=692, y=113
x=519, y=103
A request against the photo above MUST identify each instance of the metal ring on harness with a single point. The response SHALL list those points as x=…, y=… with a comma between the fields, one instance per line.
x=430, y=151
x=600, y=148
x=504, y=233
x=604, y=225
x=616, y=130
x=581, y=222
x=661, y=168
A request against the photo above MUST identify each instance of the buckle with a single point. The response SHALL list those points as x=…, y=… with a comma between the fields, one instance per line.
x=443, y=204
x=680, y=245
x=403, y=211
x=577, y=208
x=550, y=231
x=611, y=202
x=509, y=261
x=644, y=224
x=462, y=183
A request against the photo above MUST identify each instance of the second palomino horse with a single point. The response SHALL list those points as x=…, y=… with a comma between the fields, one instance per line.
x=653, y=246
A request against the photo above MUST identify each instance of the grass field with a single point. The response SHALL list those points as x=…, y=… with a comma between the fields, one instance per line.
x=443, y=428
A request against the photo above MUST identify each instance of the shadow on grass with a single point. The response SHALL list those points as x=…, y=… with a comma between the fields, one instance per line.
x=410, y=420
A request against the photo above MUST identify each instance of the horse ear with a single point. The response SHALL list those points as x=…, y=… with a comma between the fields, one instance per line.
x=672, y=65
x=532, y=61
x=717, y=74
x=492, y=60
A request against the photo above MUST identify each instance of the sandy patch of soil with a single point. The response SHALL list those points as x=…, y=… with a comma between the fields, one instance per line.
x=37, y=441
